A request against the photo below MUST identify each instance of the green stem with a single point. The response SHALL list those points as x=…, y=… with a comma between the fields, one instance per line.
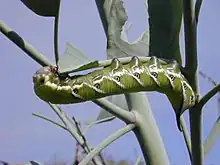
x=100, y=4
x=98, y=122
x=56, y=33
x=196, y=136
x=191, y=69
x=80, y=132
x=186, y=137
x=26, y=47
x=69, y=125
x=63, y=117
x=51, y=121
x=137, y=162
x=120, y=132
x=208, y=96
x=190, y=38
x=146, y=130
x=197, y=10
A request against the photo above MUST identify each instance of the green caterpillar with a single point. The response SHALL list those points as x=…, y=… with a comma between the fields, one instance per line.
x=135, y=76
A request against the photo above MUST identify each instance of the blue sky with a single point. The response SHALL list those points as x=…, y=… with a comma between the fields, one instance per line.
x=25, y=137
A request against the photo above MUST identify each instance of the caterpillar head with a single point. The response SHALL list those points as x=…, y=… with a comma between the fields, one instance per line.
x=45, y=75
x=45, y=80
x=46, y=84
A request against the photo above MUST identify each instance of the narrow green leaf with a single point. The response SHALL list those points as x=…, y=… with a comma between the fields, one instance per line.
x=91, y=123
x=165, y=18
x=48, y=8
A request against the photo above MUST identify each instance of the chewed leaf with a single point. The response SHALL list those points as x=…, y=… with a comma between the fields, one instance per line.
x=74, y=60
x=48, y=8
x=118, y=45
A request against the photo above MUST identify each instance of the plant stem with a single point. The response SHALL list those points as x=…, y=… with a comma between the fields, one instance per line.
x=106, y=142
x=208, y=96
x=56, y=34
x=26, y=47
x=51, y=121
x=186, y=137
x=69, y=125
x=197, y=10
x=98, y=122
x=137, y=162
x=191, y=69
x=146, y=131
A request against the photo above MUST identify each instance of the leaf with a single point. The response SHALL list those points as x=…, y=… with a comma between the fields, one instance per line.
x=74, y=60
x=212, y=137
x=103, y=115
x=48, y=8
x=165, y=18
x=118, y=46
x=118, y=100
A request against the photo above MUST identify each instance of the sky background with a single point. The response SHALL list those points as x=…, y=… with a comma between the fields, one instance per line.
x=24, y=137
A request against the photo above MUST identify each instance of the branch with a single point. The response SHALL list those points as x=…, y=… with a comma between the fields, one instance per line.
x=106, y=142
x=186, y=136
x=56, y=33
x=81, y=133
x=102, y=159
x=100, y=4
x=191, y=70
x=98, y=122
x=147, y=131
x=214, y=83
x=208, y=96
x=137, y=162
x=197, y=10
x=21, y=43
x=69, y=126
x=64, y=118
x=51, y=121
x=190, y=38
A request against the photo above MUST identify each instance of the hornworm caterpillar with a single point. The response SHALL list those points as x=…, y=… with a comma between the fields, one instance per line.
x=135, y=76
